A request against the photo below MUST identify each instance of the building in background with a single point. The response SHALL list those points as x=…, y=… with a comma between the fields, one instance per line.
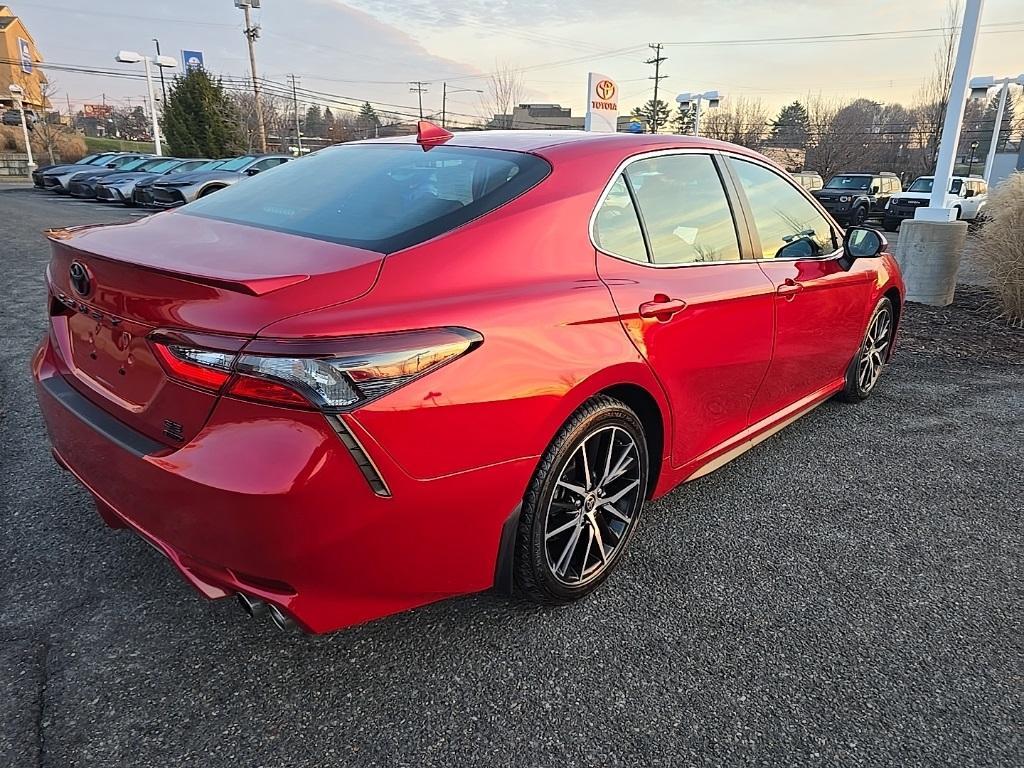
x=18, y=62
x=552, y=117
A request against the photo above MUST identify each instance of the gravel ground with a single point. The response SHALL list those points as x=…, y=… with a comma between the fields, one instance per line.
x=848, y=593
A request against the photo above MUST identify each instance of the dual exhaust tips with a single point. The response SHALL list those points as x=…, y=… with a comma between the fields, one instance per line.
x=257, y=609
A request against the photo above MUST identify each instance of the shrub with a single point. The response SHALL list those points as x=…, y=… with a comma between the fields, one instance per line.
x=999, y=245
x=68, y=146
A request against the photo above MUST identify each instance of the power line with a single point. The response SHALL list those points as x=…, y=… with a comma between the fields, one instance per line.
x=418, y=87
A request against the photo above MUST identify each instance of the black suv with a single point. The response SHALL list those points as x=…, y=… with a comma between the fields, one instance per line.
x=852, y=197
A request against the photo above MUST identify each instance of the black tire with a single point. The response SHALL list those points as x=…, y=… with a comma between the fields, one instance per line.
x=890, y=225
x=597, y=425
x=859, y=216
x=959, y=213
x=873, y=352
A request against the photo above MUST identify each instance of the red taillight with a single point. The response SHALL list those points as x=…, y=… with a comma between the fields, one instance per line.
x=266, y=391
x=329, y=374
x=176, y=361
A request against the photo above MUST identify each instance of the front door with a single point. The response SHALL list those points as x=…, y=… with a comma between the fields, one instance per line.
x=669, y=251
x=820, y=308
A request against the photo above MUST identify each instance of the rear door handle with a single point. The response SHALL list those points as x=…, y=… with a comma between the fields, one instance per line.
x=662, y=308
x=789, y=289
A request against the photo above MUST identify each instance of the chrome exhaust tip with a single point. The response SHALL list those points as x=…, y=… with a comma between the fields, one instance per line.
x=255, y=608
x=280, y=619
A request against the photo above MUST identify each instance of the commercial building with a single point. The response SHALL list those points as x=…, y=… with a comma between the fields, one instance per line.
x=547, y=117
x=18, y=62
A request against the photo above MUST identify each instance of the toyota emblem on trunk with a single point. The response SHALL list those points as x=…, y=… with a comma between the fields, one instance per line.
x=80, y=280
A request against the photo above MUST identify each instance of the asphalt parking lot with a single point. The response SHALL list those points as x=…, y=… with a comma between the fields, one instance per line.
x=848, y=593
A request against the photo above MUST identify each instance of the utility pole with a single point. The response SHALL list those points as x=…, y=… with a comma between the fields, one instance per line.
x=656, y=61
x=163, y=87
x=295, y=104
x=252, y=35
x=444, y=100
x=417, y=87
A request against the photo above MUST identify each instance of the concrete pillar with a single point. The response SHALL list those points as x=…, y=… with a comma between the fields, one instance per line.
x=929, y=253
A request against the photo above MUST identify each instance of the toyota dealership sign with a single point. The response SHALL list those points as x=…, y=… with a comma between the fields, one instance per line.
x=602, y=104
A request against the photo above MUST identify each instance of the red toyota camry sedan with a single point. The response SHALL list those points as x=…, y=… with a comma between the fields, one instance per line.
x=396, y=371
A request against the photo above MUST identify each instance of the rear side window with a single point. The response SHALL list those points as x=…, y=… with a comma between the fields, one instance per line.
x=616, y=226
x=381, y=197
x=684, y=209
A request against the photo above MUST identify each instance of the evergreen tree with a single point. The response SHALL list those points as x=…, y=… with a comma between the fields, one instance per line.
x=790, y=128
x=650, y=112
x=314, y=124
x=199, y=119
x=329, y=123
x=682, y=120
x=367, y=121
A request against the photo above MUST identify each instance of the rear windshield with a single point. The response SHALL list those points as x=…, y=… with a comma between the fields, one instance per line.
x=381, y=197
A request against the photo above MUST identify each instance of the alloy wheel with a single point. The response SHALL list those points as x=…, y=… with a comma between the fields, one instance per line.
x=594, y=506
x=876, y=344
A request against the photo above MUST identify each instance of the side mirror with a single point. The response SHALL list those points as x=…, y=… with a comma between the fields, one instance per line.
x=874, y=190
x=251, y=171
x=863, y=243
x=111, y=165
x=969, y=193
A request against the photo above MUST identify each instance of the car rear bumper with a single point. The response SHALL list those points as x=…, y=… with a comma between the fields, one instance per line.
x=271, y=503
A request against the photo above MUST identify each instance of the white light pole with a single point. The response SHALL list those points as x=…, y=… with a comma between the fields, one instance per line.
x=936, y=210
x=686, y=99
x=979, y=90
x=131, y=57
x=18, y=93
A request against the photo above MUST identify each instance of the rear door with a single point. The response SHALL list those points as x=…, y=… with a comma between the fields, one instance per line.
x=669, y=251
x=820, y=307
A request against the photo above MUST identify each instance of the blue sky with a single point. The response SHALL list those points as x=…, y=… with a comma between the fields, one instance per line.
x=371, y=49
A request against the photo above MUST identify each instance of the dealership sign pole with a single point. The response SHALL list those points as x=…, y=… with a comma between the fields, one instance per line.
x=602, y=104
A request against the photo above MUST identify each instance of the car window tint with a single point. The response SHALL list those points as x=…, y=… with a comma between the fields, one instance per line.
x=788, y=225
x=382, y=197
x=684, y=209
x=616, y=226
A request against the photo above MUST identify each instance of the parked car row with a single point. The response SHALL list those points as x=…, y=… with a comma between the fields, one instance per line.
x=154, y=181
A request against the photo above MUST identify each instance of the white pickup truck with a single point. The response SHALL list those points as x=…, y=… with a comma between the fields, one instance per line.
x=966, y=195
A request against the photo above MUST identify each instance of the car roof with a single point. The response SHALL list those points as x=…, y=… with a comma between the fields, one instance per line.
x=553, y=144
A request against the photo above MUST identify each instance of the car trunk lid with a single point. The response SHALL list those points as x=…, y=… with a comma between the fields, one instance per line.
x=113, y=286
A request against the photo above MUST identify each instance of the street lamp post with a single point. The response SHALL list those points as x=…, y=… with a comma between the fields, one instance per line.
x=979, y=89
x=974, y=148
x=131, y=57
x=444, y=99
x=686, y=99
x=18, y=93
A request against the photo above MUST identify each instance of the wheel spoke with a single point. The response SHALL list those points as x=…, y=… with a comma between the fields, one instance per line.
x=622, y=492
x=600, y=542
x=566, y=558
x=615, y=511
x=563, y=528
x=586, y=552
x=572, y=487
x=587, y=480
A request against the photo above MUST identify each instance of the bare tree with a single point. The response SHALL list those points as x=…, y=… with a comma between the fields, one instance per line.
x=504, y=91
x=934, y=94
x=740, y=120
x=46, y=131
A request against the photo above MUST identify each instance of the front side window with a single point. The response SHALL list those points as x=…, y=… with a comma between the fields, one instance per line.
x=786, y=222
x=616, y=226
x=684, y=209
x=381, y=197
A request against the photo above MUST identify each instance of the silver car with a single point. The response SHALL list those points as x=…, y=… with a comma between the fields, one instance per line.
x=184, y=188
